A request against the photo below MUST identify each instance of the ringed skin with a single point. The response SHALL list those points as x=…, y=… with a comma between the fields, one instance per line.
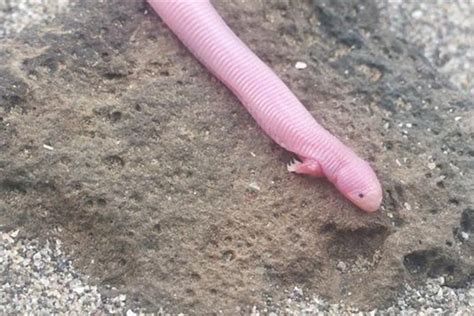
x=270, y=102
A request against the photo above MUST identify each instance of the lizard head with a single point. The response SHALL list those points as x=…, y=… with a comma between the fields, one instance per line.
x=358, y=182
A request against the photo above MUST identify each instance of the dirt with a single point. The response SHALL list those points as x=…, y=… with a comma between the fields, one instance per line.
x=116, y=141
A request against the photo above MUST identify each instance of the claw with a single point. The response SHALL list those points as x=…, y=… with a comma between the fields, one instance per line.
x=292, y=166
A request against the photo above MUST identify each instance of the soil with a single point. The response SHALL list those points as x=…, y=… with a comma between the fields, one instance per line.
x=114, y=139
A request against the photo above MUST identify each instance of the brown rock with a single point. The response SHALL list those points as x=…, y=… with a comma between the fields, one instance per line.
x=150, y=162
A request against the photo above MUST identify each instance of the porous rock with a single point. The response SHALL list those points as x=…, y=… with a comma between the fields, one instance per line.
x=110, y=130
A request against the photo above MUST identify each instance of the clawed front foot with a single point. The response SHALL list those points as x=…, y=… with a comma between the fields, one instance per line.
x=308, y=166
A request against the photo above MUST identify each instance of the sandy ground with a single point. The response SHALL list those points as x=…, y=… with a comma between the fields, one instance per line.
x=236, y=255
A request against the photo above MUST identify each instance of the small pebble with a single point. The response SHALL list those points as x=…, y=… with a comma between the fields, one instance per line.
x=300, y=65
x=254, y=186
x=131, y=313
x=341, y=266
x=416, y=14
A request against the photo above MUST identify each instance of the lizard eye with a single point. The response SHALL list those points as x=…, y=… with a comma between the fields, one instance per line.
x=361, y=195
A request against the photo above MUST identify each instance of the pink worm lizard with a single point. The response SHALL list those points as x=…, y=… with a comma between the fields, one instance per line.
x=271, y=103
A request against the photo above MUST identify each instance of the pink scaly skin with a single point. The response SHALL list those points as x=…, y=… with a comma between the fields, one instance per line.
x=270, y=101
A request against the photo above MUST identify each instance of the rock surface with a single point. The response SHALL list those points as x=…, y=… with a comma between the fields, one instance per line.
x=15, y=15
x=443, y=29
x=163, y=186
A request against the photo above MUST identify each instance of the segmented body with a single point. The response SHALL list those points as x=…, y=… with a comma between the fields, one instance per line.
x=271, y=103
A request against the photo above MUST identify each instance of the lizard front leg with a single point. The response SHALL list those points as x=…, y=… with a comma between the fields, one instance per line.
x=307, y=166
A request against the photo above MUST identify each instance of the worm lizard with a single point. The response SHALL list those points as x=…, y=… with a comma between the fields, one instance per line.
x=270, y=102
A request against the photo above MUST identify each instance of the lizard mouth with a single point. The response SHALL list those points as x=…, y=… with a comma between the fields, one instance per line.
x=369, y=200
